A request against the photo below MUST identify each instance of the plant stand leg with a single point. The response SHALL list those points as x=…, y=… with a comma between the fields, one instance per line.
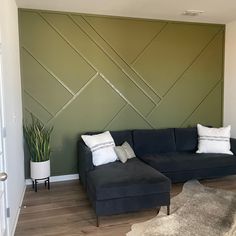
x=48, y=180
x=35, y=185
x=45, y=183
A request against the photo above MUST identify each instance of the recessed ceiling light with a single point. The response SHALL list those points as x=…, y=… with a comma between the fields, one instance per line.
x=192, y=12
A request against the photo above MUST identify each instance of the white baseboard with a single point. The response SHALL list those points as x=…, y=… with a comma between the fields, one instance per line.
x=57, y=178
x=18, y=212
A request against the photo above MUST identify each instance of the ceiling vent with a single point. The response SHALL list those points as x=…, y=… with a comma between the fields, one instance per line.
x=192, y=12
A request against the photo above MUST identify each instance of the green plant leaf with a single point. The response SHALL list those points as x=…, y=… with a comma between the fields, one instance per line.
x=37, y=138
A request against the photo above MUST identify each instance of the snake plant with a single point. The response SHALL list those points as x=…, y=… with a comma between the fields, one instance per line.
x=37, y=137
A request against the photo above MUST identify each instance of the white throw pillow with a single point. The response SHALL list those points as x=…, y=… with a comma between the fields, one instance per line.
x=102, y=147
x=213, y=140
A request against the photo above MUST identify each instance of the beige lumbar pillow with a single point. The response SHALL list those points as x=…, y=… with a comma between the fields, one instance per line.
x=121, y=154
x=124, y=152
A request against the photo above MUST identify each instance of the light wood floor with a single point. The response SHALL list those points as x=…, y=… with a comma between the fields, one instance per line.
x=65, y=210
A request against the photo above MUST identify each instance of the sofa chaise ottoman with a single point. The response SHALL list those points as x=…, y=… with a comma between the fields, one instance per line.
x=116, y=188
x=127, y=188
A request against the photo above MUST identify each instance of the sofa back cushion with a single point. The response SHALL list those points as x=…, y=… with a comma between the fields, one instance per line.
x=122, y=136
x=186, y=139
x=148, y=142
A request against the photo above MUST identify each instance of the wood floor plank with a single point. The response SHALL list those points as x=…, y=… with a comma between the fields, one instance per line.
x=65, y=211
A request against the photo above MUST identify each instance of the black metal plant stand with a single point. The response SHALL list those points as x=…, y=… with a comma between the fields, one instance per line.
x=35, y=183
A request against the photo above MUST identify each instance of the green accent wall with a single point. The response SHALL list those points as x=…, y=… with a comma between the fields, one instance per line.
x=86, y=73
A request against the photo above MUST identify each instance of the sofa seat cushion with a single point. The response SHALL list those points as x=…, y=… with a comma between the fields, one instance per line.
x=182, y=161
x=118, y=180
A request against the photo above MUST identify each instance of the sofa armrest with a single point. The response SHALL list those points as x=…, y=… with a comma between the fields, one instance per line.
x=85, y=161
x=233, y=145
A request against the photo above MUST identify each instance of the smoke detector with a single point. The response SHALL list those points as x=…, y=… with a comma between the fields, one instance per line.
x=192, y=12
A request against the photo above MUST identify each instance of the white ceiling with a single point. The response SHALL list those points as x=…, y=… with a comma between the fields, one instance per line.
x=216, y=11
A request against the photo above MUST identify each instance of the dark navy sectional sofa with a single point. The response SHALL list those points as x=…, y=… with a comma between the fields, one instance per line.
x=163, y=156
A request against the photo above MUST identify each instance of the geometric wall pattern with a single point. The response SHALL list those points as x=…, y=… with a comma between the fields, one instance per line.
x=85, y=73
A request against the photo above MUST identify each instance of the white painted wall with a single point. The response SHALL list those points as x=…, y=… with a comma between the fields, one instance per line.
x=230, y=77
x=12, y=108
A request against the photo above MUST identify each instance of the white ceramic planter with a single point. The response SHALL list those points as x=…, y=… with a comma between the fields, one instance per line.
x=39, y=170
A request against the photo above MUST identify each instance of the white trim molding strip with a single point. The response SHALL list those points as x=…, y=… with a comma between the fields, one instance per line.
x=57, y=178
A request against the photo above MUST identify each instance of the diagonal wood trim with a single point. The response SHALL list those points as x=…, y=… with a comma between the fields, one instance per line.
x=117, y=113
x=71, y=45
x=194, y=60
x=48, y=70
x=192, y=63
x=144, y=49
x=201, y=102
x=38, y=102
x=123, y=65
x=31, y=112
x=72, y=99
x=113, y=87
x=68, y=42
x=121, y=68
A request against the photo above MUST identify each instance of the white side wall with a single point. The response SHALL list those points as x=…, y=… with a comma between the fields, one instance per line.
x=230, y=77
x=12, y=108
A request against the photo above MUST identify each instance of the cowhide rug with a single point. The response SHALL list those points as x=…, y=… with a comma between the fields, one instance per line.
x=196, y=211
